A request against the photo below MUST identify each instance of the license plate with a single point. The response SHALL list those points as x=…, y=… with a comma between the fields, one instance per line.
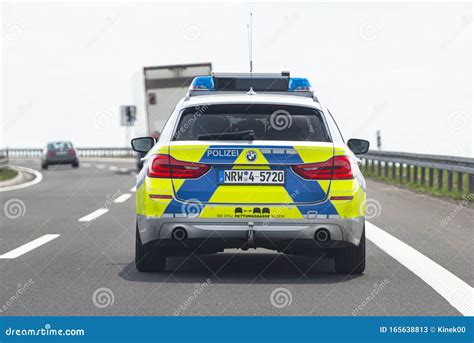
x=61, y=153
x=267, y=177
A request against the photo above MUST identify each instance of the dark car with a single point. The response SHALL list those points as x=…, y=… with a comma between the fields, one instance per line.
x=62, y=152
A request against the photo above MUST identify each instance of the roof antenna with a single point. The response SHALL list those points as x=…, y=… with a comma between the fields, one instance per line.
x=249, y=31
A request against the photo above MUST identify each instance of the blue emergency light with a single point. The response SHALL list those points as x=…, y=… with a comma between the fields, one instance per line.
x=258, y=82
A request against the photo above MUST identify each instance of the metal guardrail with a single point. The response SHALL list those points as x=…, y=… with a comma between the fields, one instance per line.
x=82, y=152
x=420, y=169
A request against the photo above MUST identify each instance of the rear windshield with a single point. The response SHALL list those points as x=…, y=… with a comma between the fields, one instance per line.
x=59, y=146
x=251, y=122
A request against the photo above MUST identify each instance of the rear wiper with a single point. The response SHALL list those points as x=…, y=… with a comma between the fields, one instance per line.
x=247, y=135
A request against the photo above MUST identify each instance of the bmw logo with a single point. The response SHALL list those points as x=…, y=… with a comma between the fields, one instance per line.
x=251, y=155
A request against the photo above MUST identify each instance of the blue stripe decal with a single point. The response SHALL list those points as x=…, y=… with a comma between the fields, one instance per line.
x=323, y=208
x=301, y=190
x=200, y=189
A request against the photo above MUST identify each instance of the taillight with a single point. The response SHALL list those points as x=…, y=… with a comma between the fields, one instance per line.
x=51, y=153
x=71, y=152
x=336, y=168
x=165, y=166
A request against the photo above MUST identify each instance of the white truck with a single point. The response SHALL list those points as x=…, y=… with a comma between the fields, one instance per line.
x=164, y=87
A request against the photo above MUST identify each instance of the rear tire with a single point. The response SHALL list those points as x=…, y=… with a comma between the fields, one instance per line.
x=147, y=257
x=44, y=166
x=75, y=165
x=352, y=260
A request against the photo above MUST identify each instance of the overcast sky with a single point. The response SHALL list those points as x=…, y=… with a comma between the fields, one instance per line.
x=404, y=69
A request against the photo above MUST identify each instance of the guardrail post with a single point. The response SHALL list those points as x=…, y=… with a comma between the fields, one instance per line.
x=394, y=171
x=385, y=167
x=372, y=167
x=450, y=180
x=431, y=177
x=379, y=168
x=415, y=174
x=470, y=183
x=440, y=179
x=423, y=174
x=408, y=178
x=400, y=175
x=460, y=182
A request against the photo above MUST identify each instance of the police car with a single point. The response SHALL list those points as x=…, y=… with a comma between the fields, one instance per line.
x=248, y=161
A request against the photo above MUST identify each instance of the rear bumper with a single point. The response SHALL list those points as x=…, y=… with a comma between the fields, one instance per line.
x=269, y=233
x=61, y=160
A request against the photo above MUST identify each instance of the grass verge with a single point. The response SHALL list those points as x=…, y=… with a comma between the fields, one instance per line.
x=7, y=174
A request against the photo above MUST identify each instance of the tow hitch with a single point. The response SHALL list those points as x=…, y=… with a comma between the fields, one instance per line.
x=250, y=235
x=250, y=238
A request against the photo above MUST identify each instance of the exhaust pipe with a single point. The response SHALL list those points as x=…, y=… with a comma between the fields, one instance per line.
x=179, y=234
x=322, y=235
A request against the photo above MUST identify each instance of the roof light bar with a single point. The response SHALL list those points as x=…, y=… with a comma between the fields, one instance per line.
x=260, y=82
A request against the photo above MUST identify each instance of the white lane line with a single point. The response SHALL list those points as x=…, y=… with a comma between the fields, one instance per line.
x=100, y=166
x=37, y=179
x=113, y=168
x=94, y=215
x=124, y=170
x=458, y=293
x=29, y=246
x=122, y=198
x=86, y=165
x=133, y=189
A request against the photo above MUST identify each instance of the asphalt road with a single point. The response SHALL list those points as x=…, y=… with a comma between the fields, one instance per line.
x=87, y=267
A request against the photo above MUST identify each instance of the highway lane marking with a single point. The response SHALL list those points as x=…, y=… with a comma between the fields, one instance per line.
x=133, y=189
x=37, y=179
x=29, y=246
x=113, y=168
x=123, y=198
x=124, y=170
x=86, y=165
x=457, y=292
x=100, y=166
x=96, y=214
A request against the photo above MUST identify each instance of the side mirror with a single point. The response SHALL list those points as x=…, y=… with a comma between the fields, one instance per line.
x=358, y=146
x=142, y=144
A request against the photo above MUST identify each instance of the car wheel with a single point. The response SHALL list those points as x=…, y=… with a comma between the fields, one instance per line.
x=44, y=166
x=352, y=260
x=147, y=257
x=75, y=165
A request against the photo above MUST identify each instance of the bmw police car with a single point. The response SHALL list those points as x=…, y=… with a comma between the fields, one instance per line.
x=249, y=161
